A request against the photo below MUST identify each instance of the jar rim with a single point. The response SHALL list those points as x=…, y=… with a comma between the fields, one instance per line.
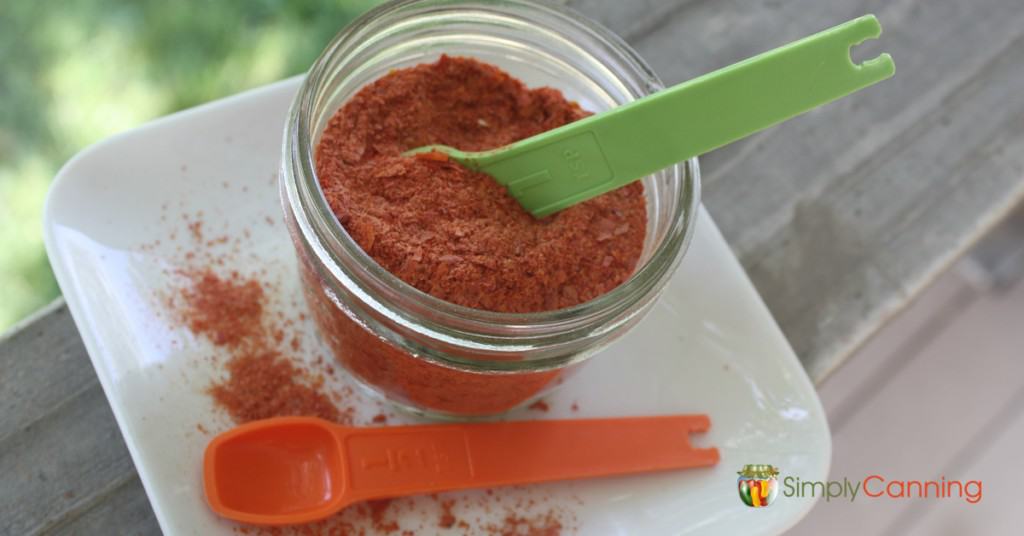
x=305, y=195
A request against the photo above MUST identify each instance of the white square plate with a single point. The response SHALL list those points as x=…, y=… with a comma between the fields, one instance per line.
x=114, y=234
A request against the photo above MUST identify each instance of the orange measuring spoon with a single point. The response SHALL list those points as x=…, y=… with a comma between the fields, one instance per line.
x=293, y=470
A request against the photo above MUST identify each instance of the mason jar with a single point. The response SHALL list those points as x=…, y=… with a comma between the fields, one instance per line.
x=420, y=352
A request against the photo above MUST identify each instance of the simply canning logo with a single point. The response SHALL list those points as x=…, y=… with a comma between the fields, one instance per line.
x=759, y=486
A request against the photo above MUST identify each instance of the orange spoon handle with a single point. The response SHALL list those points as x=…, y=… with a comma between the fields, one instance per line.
x=395, y=461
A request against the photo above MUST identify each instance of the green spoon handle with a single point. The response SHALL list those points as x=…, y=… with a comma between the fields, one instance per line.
x=602, y=152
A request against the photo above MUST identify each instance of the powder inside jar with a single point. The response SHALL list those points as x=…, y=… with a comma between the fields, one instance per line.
x=457, y=234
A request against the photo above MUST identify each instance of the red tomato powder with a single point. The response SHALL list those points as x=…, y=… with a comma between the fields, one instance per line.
x=457, y=234
x=261, y=383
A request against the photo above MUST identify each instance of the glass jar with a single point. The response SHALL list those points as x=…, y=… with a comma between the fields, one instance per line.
x=418, y=351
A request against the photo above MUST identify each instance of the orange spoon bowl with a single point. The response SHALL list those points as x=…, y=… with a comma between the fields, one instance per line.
x=292, y=470
x=275, y=471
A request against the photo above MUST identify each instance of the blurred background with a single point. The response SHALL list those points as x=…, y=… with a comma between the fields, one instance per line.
x=81, y=71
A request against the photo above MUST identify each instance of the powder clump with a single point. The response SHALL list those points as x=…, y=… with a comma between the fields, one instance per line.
x=263, y=385
x=226, y=310
x=261, y=382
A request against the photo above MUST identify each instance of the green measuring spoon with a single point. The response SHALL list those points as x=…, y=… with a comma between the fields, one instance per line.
x=570, y=164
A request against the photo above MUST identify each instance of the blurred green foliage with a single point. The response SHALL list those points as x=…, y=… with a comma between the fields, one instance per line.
x=76, y=72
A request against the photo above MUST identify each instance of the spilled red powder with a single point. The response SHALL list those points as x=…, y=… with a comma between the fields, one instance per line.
x=196, y=229
x=539, y=405
x=517, y=525
x=261, y=382
x=447, y=518
x=455, y=233
x=377, y=510
x=263, y=385
x=490, y=517
x=226, y=310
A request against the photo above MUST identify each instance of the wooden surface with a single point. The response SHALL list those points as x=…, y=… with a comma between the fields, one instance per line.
x=64, y=468
x=897, y=408
x=840, y=217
